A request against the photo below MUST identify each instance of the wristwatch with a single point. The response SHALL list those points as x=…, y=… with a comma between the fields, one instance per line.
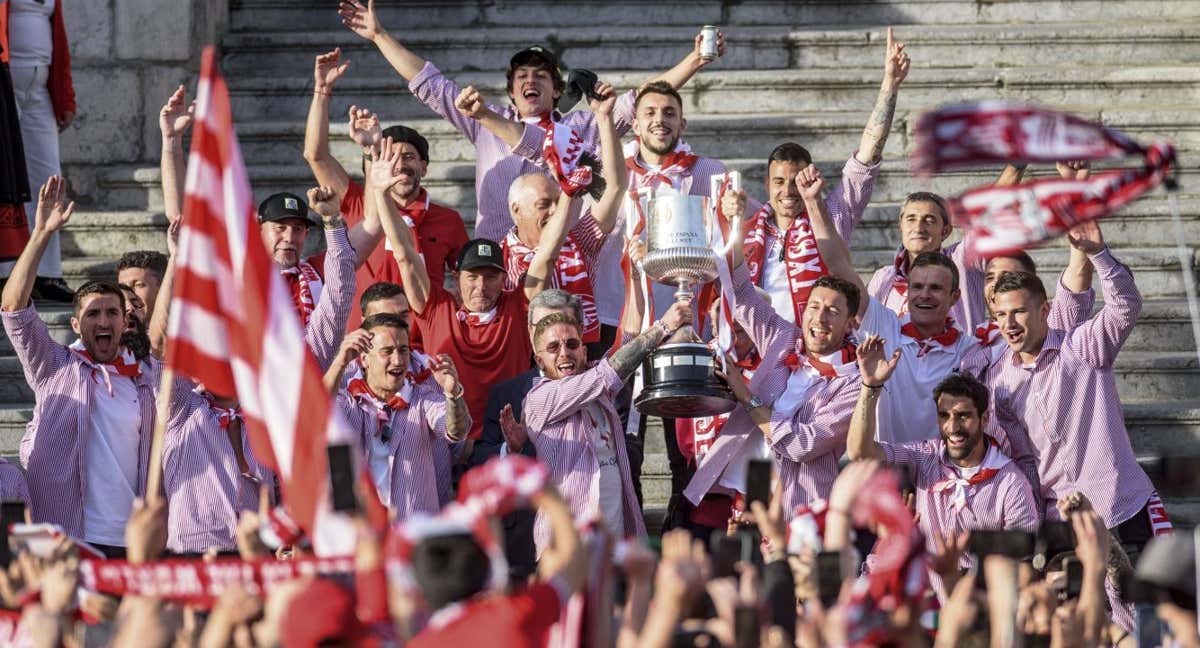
x=755, y=402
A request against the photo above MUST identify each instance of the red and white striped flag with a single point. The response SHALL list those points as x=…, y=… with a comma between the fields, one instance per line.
x=233, y=326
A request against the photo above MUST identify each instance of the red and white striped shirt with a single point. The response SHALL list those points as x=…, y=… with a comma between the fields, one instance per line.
x=414, y=430
x=561, y=429
x=206, y=489
x=496, y=164
x=54, y=448
x=1067, y=402
x=807, y=444
x=327, y=326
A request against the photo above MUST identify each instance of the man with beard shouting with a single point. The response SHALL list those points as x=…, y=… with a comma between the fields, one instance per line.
x=87, y=448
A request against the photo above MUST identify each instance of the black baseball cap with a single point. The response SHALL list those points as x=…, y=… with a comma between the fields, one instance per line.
x=530, y=55
x=282, y=206
x=480, y=253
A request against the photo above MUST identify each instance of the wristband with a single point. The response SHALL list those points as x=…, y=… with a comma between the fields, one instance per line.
x=872, y=387
x=663, y=326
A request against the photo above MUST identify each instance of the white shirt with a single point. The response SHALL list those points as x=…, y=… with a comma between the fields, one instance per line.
x=775, y=282
x=112, y=461
x=611, y=497
x=906, y=411
x=30, y=39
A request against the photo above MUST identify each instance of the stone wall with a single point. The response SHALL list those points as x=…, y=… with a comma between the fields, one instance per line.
x=127, y=57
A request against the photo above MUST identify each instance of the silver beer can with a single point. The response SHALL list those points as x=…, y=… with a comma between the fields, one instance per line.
x=708, y=43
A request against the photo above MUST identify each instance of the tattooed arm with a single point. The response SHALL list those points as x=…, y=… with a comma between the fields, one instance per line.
x=626, y=359
x=879, y=124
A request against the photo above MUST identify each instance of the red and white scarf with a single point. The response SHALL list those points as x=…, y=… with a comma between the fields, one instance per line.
x=944, y=340
x=808, y=372
x=993, y=461
x=676, y=166
x=306, y=285
x=1002, y=220
x=225, y=415
x=561, y=148
x=806, y=529
x=383, y=409
x=800, y=256
x=125, y=364
x=471, y=318
x=1160, y=524
x=571, y=274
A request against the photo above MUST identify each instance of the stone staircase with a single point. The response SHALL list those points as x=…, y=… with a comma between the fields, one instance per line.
x=806, y=71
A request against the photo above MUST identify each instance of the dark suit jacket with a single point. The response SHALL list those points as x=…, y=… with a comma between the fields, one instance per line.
x=510, y=392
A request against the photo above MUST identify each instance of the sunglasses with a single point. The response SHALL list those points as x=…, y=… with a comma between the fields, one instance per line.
x=554, y=347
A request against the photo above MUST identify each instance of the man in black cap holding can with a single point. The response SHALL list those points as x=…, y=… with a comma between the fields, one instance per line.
x=322, y=286
x=535, y=85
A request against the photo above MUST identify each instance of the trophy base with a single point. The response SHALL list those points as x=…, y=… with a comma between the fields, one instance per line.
x=680, y=383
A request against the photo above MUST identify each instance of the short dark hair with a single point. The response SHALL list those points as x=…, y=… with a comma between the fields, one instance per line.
x=1022, y=257
x=552, y=319
x=390, y=320
x=560, y=83
x=658, y=87
x=790, y=152
x=963, y=385
x=1010, y=281
x=408, y=135
x=449, y=568
x=378, y=291
x=847, y=289
x=96, y=288
x=927, y=196
x=155, y=262
x=936, y=259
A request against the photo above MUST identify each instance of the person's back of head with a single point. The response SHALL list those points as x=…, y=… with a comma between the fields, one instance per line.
x=450, y=568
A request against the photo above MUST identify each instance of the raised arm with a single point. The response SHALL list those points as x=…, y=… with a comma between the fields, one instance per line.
x=53, y=212
x=626, y=359
x=612, y=164
x=545, y=257
x=362, y=21
x=874, y=370
x=157, y=329
x=174, y=120
x=458, y=421
x=879, y=124
x=1099, y=339
x=355, y=344
x=635, y=301
x=327, y=325
x=366, y=234
x=470, y=103
x=834, y=252
x=565, y=560
x=404, y=248
x=689, y=65
x=329, y=172
x=1078, y=275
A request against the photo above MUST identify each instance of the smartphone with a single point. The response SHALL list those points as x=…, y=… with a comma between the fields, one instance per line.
x=758, y=482
x=12, y=512
x=726, y=552
x=1056, y=538
x=746, y=627
x=341, y=478
x=829, y=577
x=1009, y=543
x=1074, y=570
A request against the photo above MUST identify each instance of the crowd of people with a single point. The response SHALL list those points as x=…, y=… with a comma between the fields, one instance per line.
x=948, y=455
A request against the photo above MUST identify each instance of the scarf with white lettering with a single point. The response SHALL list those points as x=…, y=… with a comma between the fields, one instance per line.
x=571, y=274
x=125, y=364
x=993, y=461
x=808, y=371
x=306, y=284
x=799, y=254
x=561, y=149
x=943, y=340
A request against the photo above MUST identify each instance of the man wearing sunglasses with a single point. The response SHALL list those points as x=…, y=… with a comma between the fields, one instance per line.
x=573, y=423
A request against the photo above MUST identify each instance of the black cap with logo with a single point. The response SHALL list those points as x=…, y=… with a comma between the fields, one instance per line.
x=282, y=206
x=480, y=253
x=530, y=55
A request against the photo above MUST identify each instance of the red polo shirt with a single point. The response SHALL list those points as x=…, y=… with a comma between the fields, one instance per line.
x=485, y=354
x=519, y=620
x=440, y=235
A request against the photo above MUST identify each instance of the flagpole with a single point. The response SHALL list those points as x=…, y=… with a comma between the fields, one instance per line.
x=162, y=408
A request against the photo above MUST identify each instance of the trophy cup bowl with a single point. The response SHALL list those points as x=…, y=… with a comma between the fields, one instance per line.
x=679, y=376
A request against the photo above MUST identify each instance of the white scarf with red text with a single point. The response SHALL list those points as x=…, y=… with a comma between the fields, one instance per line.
x=306, y=284
x=800, y=256
x=571, y=274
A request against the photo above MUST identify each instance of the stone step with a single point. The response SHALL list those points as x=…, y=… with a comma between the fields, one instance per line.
x=303, y=15
x=773, y=91
x=98, y=233
x=724, y=136
x=58, y=320
x=651, y=47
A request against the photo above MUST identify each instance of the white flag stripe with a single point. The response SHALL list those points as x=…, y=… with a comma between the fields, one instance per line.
x=200, y=327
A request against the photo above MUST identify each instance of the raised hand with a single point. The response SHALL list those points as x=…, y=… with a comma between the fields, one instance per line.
x=849, y=483
x=873, y=367
x=356, y=343
x=470, y=102
x=736, y=381
x=720, y=48
x=328, y=69
x=1091, y=540
x=324, y=201
x=636, y=249
x=1073, y=169
x=516, y=435
x=895, y=61
x=176, y=115
x=677, y=316
x=810, y=183
x=60, y=580
x=359, y=19
x=385, y=167
x=1086, y=237
x=53, y=211
x=364, y=127
x=446, y=375
x=947, y=554
x=733, y=204
x=146, y=530
x=603, y=107
x=681, y=572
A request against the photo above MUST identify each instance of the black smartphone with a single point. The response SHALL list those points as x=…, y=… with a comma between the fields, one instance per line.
x=1009, y=543
x=1074, y=570
x=1056, y=538
x=726, y=552
x=11, y=512
x=746, y=627
x=758, y=482
x=341, y=478
x=829, y=577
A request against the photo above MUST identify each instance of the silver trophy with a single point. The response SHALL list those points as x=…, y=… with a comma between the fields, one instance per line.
x=679, y=375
